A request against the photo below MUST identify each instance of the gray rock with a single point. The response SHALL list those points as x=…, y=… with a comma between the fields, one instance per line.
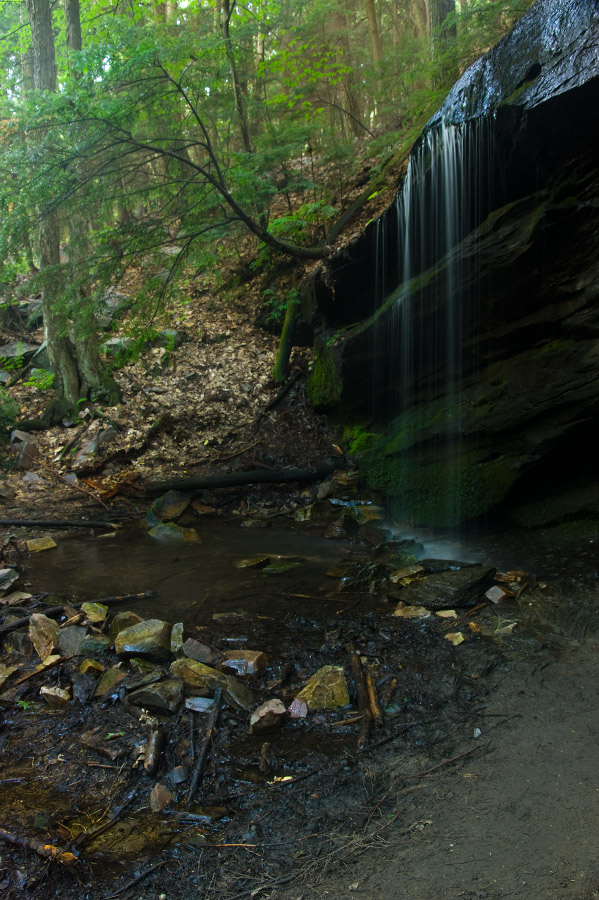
x=170, y=505
x=7, y=578
x=150, y=638
x=204, y=678
x=93, y=644
x=193, y=649
x=84, y=685
x=70, y=639
x=164, y=695
x=449, y=590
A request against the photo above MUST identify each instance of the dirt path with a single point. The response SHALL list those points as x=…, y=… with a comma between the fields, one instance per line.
x=520, y=818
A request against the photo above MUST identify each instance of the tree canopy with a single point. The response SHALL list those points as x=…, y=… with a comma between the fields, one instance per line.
x=131, y=126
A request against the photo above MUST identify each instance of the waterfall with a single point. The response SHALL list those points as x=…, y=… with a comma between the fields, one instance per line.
x=447, y=192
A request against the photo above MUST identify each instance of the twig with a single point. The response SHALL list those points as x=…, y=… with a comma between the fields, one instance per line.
x=237, y=452
x=252, y=892
x=363, y=699
x=199, y=766
x=53, y=523
x=74, y=486
x=54, y=611
x=48, y=851
x=373, y=700
x=447, y=762
x=87, y=836
x=41, y=671
x=136, y=880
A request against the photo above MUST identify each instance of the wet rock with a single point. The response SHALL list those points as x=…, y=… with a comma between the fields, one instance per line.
x=343, y=527
x=363, y=577
x=170, y=505
x=8, y=578
x=202, y=509
x=36, y=545
x=95, y=739
x=407, y=574
x=109, y=680
x=84, y=685
x=70, y=639
x=177, y=639
x=204, y=678
x=243, y=662
x=199, y=704
x=55, y=697
x=5, y=673
x=168, y=531
x=44, y=635
x=298, y=709
x=20, y=642
x=122, y=620
x=16, y=597
x=164, y=695
x=179, y=775
x=253, y=562
x=92, y=666
x=193, y=649
x=94, y=643
x=319, y=514
x=95, y=612
x=268, y=717
x=326, y=689
x=234, y=616
x=160, y=797
x=150, y=638
x=496, y=594
x=411, y=612
x=463, y=587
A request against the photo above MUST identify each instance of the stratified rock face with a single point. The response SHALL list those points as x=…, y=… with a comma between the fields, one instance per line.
x=483, y=363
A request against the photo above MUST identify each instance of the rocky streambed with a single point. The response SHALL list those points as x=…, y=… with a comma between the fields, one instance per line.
x=240, y=737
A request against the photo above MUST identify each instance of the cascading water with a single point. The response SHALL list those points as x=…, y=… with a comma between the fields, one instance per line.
x=447, y=191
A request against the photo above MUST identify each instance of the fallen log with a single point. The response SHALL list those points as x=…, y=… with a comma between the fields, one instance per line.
x=54, y=523
x=237, y=479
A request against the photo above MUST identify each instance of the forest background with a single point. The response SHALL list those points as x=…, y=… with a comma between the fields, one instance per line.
x=149, y=134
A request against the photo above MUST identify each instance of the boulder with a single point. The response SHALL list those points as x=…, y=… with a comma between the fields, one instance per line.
x=449, y=590
x=326, y=689
x=205, y=679
x=268, y=717
x=164, y=696
x=149, y=639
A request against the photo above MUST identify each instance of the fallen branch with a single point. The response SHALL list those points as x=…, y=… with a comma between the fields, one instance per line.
x=373, y=700
x=236, y=479
x=363, y=698
x=237, y=452
x=53, y=523
x=202, y=755
x=48, y=851
x=136, y=880
x=54, y=611
x=75, y=487
x=447, y=762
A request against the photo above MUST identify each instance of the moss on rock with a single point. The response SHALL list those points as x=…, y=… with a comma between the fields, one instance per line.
x=324, y=383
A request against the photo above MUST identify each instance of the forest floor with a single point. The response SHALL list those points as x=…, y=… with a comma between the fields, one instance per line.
x=482, y=783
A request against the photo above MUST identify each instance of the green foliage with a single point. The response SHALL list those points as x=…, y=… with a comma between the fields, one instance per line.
x=9, y=411
x=276, y=303
x=41, y=379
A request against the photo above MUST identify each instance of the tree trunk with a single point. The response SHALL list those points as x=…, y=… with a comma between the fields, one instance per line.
x=375, y=34
x=227, y=12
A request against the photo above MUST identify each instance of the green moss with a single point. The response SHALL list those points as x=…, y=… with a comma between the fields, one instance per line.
x=358, y=440
x=560, y=345
x=324, y=384
x=439, y=492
